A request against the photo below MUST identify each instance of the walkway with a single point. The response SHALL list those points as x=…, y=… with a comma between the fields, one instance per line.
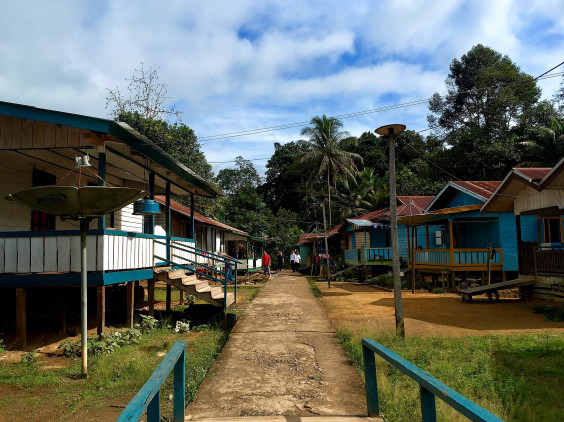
x=282, y=358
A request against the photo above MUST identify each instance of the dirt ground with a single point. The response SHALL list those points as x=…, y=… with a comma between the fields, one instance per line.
x=282, y=358
x=428, y=314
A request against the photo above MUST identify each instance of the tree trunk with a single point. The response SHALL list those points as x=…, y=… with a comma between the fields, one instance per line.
x=329, y=195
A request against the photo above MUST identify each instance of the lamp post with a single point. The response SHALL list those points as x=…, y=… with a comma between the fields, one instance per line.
x=390, y=131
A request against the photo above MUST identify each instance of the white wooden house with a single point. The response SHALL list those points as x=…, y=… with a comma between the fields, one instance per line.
x=212, y=235
x=536, y=192
x=38, y=147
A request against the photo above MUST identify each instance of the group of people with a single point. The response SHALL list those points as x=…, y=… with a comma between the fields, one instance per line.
x=295, y=260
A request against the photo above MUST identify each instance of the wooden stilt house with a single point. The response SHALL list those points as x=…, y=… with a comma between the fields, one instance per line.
x=39, y=253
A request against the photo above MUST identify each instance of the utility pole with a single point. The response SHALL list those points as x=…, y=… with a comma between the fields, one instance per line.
x=390, y=131
x=326, y=246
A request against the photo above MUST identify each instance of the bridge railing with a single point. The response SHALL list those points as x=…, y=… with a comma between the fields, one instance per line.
x=149, y=397
x=429, y=387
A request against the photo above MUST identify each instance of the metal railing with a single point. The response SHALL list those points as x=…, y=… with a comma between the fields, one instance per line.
x=467, y=257
x=429, y=387
x=192, y=265
x=149, y=397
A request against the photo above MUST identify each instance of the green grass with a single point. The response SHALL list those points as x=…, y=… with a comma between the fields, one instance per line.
x=113, y=375
x=515, y=377
x=314, y=289
x=245, y=293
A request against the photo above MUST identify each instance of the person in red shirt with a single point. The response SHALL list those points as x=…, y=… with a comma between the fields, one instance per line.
x=266, y=264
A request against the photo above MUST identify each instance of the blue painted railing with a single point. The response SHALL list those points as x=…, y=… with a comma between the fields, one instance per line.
x=149, y=397
x=429, y=387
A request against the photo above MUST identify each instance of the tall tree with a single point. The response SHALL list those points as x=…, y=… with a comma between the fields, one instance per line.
x=285, y=177
x=489, y=102
x=243, y=175
x=330, y=160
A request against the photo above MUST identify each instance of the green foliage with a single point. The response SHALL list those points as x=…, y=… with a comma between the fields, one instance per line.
x=243, y=175
x=246, y=210
x=148, y=323
x=348, y=273
x=30, y=358
x=107, y=342
x=314, y=289
x=511, y=376
x=552, y=313
x=2, y=348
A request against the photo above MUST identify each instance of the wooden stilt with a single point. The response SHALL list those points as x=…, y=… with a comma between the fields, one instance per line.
x=137, y=301
x=64, y=311
x=168, y=296
x=483, y=279
x=130, y=291
x=503, y=276
x=181, y=300
x=101, y=309
x=151, y=297
x=21, y=328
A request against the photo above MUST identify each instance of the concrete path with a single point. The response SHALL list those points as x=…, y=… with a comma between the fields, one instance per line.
x=282, y=358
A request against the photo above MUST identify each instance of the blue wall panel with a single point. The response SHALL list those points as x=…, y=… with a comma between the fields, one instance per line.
x=461, y=199
x=379, y=238
x=529, y=228
x=508, y=233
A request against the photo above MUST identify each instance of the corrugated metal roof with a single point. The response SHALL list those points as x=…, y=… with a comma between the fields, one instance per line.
x=533, y=173
x=480, y=188
x=182, y=209
x=360, y=223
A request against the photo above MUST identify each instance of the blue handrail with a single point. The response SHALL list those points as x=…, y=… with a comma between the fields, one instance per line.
x=149, y=397
x=429, y=387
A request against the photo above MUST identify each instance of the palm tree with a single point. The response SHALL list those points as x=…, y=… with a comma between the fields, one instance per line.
x=360, y=194
x=324, y=137
x=544, y=146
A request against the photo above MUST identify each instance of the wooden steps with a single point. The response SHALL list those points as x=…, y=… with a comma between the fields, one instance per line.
x=495, y=287
x=194, y=286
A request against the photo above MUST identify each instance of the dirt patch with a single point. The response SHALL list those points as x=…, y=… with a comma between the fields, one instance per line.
x=428, y=314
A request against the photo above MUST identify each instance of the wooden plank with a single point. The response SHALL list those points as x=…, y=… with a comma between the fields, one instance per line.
x=100, y=257
x=151, y=296
x=24, y=255
x=49, y=130
x=61, y=136
x=1, y=255
x=11, y=255
x=63, y=253
x=50, y=254
x=16, y=132
x=73, y=139
x=37, y=254
x=91, y=253
x=26, y=134
x=75, y=253
x=38, y=135
x=5, y=132
x=21, y=323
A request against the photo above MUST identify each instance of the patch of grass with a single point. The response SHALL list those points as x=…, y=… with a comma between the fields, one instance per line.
x=314, y=289
x=244, y=293
x=513, y=377
x=121, y=372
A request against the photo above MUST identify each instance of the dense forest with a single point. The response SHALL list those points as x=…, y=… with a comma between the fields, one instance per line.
x=492, y=116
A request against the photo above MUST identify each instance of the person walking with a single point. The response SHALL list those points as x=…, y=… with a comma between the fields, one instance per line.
x=292, y=260
x=266, y=264
x=280, y=261
x=297, y=260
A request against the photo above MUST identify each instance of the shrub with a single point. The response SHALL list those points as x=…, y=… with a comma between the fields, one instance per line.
x=348, y=273
x=30, y=357
x=552, y=313
x=104, y=343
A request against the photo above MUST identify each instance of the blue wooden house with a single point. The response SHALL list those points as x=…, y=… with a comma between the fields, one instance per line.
x=452, y=235
x=40, y=253
x=536, y=197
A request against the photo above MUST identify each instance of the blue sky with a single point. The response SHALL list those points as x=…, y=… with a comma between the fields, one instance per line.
x=239, y=65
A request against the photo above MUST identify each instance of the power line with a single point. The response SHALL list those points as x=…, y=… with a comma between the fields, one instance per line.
x=208, y=139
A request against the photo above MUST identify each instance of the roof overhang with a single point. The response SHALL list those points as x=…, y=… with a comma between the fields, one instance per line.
x=120, y=139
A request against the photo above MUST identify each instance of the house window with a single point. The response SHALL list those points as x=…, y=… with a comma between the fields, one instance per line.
x=41, y=221
x=552, y=233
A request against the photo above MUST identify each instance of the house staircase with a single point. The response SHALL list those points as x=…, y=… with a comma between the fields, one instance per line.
x=194, y=286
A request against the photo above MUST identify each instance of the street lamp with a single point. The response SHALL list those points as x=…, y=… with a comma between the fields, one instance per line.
x=390, y=131
x=82, y=204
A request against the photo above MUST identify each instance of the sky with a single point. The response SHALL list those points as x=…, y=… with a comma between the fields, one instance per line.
x=233, y=66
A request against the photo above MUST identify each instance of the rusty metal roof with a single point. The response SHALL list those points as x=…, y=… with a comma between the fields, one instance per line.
x=182, y=209
x=533, y=173
x=480, y=188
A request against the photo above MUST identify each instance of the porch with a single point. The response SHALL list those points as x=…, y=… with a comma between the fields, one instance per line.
x=369, y=256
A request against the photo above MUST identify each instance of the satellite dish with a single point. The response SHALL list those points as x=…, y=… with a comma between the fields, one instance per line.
x=73, y=202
